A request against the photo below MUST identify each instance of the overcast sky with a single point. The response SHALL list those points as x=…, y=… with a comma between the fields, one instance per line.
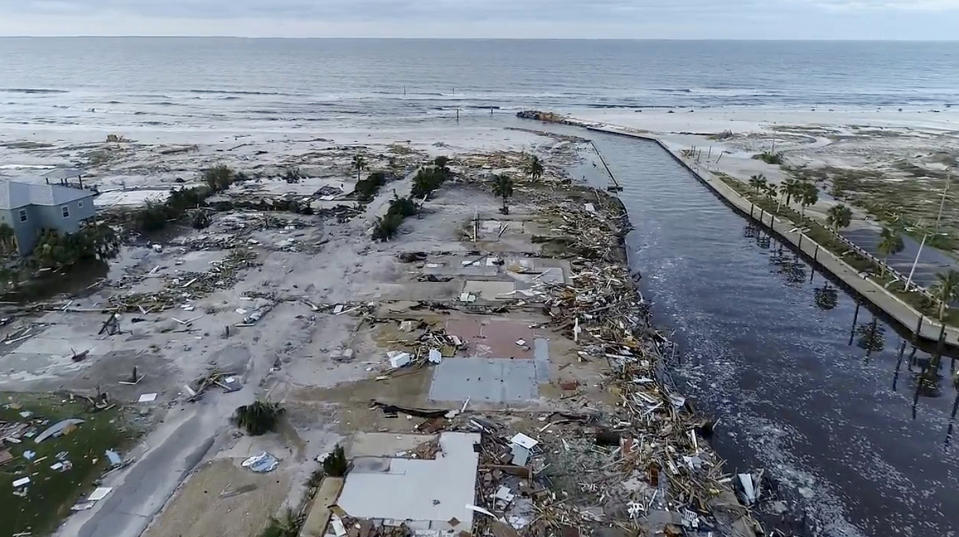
x=676, y=19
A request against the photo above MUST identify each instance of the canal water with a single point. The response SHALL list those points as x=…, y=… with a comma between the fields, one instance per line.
x=767, y=347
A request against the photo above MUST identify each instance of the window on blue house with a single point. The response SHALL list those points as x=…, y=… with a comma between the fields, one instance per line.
x=66, y=211
x=23, y=215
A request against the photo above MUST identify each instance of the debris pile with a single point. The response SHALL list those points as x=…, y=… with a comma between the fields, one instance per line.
x=586, y=230
x=229, y=382
x=429, y=348
x=187, y=286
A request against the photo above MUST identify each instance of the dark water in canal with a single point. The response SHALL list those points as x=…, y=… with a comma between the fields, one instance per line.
x=831, y=423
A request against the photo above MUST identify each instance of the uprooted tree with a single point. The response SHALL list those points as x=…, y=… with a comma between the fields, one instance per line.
x=258, y=417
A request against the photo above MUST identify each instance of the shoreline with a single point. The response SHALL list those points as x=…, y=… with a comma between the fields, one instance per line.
x=910, y=319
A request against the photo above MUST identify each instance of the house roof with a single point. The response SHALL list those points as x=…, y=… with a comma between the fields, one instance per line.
x=63, y=173
x=14, y=194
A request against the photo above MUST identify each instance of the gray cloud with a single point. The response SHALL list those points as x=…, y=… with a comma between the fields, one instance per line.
x=498, y=18
x=450, y=9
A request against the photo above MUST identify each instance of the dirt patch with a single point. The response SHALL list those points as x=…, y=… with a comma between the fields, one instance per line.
x=222, y=498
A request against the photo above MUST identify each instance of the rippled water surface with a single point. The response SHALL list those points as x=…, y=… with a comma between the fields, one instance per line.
x=830, y=422
x=228, y=83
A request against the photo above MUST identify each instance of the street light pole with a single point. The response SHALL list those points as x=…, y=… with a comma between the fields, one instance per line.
x=914, y=263
x=942, y=202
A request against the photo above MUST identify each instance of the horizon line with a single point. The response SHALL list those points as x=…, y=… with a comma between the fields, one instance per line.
x=403, y=38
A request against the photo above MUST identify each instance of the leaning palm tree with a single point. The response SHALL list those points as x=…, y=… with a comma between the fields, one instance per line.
x=945, y=290
x=890, y=243
x=534, y=168
x=359, y=163
x=838, y=217
x=503, y=187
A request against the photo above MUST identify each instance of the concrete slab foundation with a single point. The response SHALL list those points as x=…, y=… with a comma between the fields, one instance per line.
x=490, y=380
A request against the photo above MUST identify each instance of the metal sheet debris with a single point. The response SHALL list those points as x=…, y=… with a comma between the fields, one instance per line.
x=99, y=493
x=262, y=463
x=57, y=429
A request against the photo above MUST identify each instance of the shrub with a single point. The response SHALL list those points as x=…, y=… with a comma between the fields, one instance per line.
x=201, y=220
x=153, y=217
x=293, y=175
x=8, y=240
x=219, y=177
x=186, y=198
x=386, y=226
x=724, y=135
x=367, y=188
x=427, y=180
x=289, y=526
x=259, y=417
x=770, y=157
x=93, y=241
x=335, y=464
x=403, y=207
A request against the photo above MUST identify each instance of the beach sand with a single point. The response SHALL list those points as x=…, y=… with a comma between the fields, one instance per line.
x=899, y=157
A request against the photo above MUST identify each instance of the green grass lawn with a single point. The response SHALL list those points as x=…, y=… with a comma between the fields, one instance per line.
x=51, y=493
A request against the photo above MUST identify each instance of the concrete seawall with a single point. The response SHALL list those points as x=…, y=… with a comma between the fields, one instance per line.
x=907, y=316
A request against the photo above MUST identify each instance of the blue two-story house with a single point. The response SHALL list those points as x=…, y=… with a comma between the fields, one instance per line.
x=29, y=208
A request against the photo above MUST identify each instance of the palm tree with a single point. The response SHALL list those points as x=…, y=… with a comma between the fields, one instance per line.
x=789, y=189
x=534, y=168
x=359, y=163
x=889, y=243
x=838, y=217
x=503, y=187
x=808, y=195
x=769, y=190
x=758, y=182
x=945, y=290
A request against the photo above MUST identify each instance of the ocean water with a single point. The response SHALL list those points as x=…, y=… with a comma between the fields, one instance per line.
x=227, y=83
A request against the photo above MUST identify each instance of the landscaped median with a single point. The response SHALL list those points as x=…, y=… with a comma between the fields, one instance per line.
x=886, y=280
